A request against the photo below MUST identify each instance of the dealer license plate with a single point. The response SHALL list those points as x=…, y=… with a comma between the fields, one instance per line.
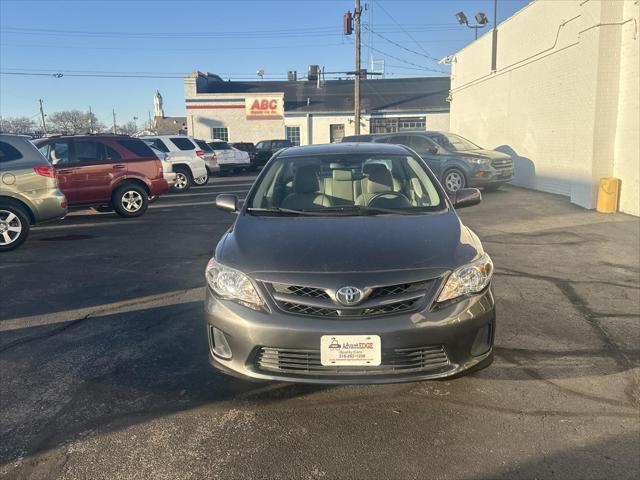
x=350, y=350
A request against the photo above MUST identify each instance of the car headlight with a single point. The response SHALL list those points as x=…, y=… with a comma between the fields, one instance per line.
x=468, y=279
x=478, y=160
x=231, y=284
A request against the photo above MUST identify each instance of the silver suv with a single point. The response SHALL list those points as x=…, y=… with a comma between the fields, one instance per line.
x=29, y=191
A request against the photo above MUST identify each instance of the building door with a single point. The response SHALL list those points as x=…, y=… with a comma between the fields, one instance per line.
x=336, y=132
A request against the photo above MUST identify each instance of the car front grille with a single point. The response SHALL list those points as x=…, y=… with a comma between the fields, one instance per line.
x=501, y=163
x=397, y=361
x=315, y=301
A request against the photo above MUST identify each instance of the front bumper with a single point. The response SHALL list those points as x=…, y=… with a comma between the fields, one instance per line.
x=456, y=328
x=487, y=175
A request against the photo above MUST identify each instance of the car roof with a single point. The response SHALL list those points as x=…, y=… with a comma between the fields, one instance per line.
x=343, y=148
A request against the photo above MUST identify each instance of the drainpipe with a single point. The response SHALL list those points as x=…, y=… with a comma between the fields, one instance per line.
x=309, y=129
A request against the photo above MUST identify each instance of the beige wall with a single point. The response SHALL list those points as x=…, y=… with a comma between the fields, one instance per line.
x=563, y=100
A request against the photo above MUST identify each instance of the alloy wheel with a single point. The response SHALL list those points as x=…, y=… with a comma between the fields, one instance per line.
x=201, y=180
x=10, y=227
x=131, y=201
x=181, y=181
x=454, y=181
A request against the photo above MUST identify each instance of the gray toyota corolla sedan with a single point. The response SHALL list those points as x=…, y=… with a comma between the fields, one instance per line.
x=347, y=263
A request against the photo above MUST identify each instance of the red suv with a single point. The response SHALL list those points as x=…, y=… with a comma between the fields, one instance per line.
x=108, y=171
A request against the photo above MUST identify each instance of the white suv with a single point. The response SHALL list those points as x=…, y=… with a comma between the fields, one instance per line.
x=185, y=156
x=229, y=158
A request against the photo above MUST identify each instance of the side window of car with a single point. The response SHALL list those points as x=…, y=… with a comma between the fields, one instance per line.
x=421, y=144
x=110, y=153
x=266, y=146
x=87, y=151
x=58, y=153
x=8, y=152
x=159, y=144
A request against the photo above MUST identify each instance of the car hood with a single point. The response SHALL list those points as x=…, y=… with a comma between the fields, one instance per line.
x=348, y=244
x=490, y=154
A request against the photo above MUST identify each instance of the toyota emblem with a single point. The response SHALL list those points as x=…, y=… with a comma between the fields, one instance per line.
x=349, y=295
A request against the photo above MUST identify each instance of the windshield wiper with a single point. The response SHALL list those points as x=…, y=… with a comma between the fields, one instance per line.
x=282, y=210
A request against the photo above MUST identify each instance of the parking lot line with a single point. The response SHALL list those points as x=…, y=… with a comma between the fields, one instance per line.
x=160, y=300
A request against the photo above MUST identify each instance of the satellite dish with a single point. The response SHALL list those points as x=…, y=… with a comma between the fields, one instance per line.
x=260, y=73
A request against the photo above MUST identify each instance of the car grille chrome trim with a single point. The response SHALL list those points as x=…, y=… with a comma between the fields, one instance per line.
x=499, y=163
x=396, y=361
x=319, y=302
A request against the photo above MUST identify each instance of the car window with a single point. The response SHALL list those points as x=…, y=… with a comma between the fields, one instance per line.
x=259, y=145
x=159, y=144
x=281, y=144
x=58, y=152
x=203, y=145
x=183, y=143
x=8, y=152
x=110, y=153
x=219, y=145
x=453, y=142
x=390, y=181
x=420, y=143
x=88, y=151
x=399, y=140
x=137, y=147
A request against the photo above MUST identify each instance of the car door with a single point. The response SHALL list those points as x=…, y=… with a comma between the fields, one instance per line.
x=95, y=170
x=429, y=152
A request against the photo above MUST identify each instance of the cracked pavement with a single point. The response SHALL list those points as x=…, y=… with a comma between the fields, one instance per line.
x=104, y=371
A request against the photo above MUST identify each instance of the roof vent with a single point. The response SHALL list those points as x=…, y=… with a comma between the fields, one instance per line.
x=312, y=72
x=292, y=75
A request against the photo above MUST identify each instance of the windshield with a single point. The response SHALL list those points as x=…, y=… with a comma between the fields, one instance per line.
x=453, y=142
x=352, y=184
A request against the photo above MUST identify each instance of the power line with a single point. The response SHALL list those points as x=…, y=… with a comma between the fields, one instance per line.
x=180, y=50
x=400, y=45
x=403, y=29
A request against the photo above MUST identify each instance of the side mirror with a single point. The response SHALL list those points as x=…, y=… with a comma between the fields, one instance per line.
x=466, y=197
x=227, y=202
x=432, y=150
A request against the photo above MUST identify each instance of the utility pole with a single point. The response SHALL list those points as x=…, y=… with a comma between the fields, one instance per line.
x=356, y=93
x=114, y=121
x=44, y=126
x=90, y=120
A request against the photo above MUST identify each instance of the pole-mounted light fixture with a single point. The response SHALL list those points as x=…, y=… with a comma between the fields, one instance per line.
x=481, y=21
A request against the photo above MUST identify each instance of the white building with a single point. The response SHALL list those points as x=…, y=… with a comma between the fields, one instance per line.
x=563, y=98
x=309, y=112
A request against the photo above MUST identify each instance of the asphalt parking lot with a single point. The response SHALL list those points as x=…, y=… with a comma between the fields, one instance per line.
x=103, y=358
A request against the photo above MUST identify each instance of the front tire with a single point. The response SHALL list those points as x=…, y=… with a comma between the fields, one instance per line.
x=130, y=201
x=14, y=227
x=183, y=180
x=453, y=180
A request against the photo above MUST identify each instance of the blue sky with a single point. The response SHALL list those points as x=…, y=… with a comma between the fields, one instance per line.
x=233, y=38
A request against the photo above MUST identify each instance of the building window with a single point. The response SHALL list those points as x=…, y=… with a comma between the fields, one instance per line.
x=220, y=133
x=336, y=132
x=293, y=135
x=393, y=125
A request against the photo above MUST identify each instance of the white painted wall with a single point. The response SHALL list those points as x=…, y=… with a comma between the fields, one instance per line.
x=563, y=100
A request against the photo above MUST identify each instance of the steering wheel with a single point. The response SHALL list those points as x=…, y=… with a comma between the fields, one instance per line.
x=380, y=195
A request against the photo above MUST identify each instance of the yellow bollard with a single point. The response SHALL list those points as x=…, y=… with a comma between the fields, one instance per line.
x=608, y=194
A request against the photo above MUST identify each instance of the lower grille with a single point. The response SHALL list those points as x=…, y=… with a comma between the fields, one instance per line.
x=396, y=361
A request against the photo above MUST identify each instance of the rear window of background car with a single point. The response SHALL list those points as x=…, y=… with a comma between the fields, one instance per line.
x=220, y=145
x=183, y=143
x=137, y=146
x=9, y=152
x=203, y=145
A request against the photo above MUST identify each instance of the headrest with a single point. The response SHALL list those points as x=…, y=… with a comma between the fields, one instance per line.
x=342, y=175
x=379, y=178
x=306, y=180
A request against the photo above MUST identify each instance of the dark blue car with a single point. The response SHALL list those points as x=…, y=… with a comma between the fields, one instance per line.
x=456, y=161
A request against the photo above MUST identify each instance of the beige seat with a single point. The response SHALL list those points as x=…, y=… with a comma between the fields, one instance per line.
x=377, y=179
x=306, y=191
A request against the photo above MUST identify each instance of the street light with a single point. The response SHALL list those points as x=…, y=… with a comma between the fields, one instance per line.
x=481, y=21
